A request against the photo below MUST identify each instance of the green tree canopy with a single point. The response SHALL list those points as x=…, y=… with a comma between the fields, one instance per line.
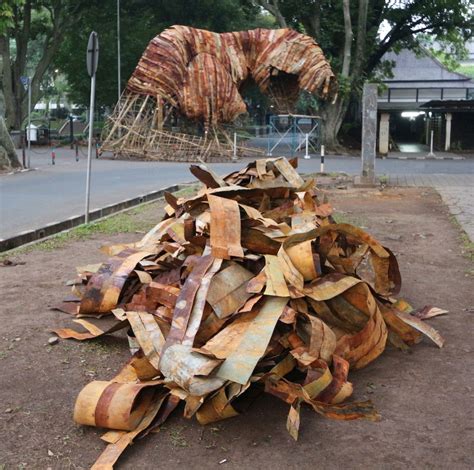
x=141, y=20
x=355, y=35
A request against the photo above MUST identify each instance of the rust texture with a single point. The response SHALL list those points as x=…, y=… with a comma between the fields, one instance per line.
x=200, y=72
x=200, y=76
x=248, y=282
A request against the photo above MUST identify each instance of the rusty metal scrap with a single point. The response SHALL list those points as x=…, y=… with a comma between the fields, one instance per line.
x=248, y=284
x=201, y=73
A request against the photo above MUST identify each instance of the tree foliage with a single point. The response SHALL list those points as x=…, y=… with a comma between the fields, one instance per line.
x=30, y=35
x=355, y=35
x=141, y=20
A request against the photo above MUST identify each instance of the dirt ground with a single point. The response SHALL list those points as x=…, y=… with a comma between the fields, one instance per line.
x=425, y=396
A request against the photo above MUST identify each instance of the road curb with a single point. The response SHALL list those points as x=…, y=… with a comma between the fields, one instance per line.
x=424, y=158
x=31, y=236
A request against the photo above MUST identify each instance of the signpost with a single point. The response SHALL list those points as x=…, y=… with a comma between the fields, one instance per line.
x=92, y=62
x=26, y=81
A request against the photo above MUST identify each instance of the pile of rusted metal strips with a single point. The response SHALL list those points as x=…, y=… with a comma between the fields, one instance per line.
x=248, y=285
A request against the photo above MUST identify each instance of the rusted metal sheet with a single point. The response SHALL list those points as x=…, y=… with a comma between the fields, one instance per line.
x=185, y=301
x=103, y=290
x=114, y=450
x=148, y=334
x=93, y=330
x=275, y=281
x=205, y=328
x=113, y=405
x=228, y=290
x=238, y=367
x=225, y=227
x=190, y=370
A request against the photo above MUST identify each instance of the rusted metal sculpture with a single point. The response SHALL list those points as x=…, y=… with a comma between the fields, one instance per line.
x=199, y=75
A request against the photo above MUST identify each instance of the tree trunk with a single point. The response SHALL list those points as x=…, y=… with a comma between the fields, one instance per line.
x=6, y=81
x=346, y=64
x=272, y=7
x=361, y=37
x=16, y=98
x=8, y=157
x=333, y=115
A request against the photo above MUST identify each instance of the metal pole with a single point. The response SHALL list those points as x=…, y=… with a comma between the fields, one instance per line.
x=23, y=151
x=293, y=136
x=118, y=55
x=234, y=157
x=269, y=150
x=29, y=123
x=431, y=154
x=322, y=159
x=306, y=138
x=89, y=148
x=71, y=131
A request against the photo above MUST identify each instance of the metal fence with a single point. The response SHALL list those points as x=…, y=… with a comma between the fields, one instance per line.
x=287, y=134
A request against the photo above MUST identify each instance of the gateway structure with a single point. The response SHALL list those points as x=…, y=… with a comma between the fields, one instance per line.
x=424, y=96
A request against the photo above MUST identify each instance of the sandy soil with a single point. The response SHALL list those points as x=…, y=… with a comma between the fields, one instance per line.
x=425, y=396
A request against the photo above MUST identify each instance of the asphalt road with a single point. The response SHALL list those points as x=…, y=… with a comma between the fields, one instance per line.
x=33, y=199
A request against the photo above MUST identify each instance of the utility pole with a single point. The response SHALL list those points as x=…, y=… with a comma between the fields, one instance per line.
x=26, y=82
x=29, y=123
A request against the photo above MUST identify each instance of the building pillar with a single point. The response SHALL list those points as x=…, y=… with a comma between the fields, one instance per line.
x=369, y=133
x=384, y=133
x=447, y=143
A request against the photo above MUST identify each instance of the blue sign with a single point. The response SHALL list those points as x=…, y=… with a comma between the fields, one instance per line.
x=25, y=81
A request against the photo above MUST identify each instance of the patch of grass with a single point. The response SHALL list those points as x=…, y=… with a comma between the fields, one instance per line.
x=176, y=438
x=187, y=191
x=466, y=70
x=383, y=179
x=120, y=223
x=101, y=349
x=332, y=174
x=124, y=222
x=344, y=218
